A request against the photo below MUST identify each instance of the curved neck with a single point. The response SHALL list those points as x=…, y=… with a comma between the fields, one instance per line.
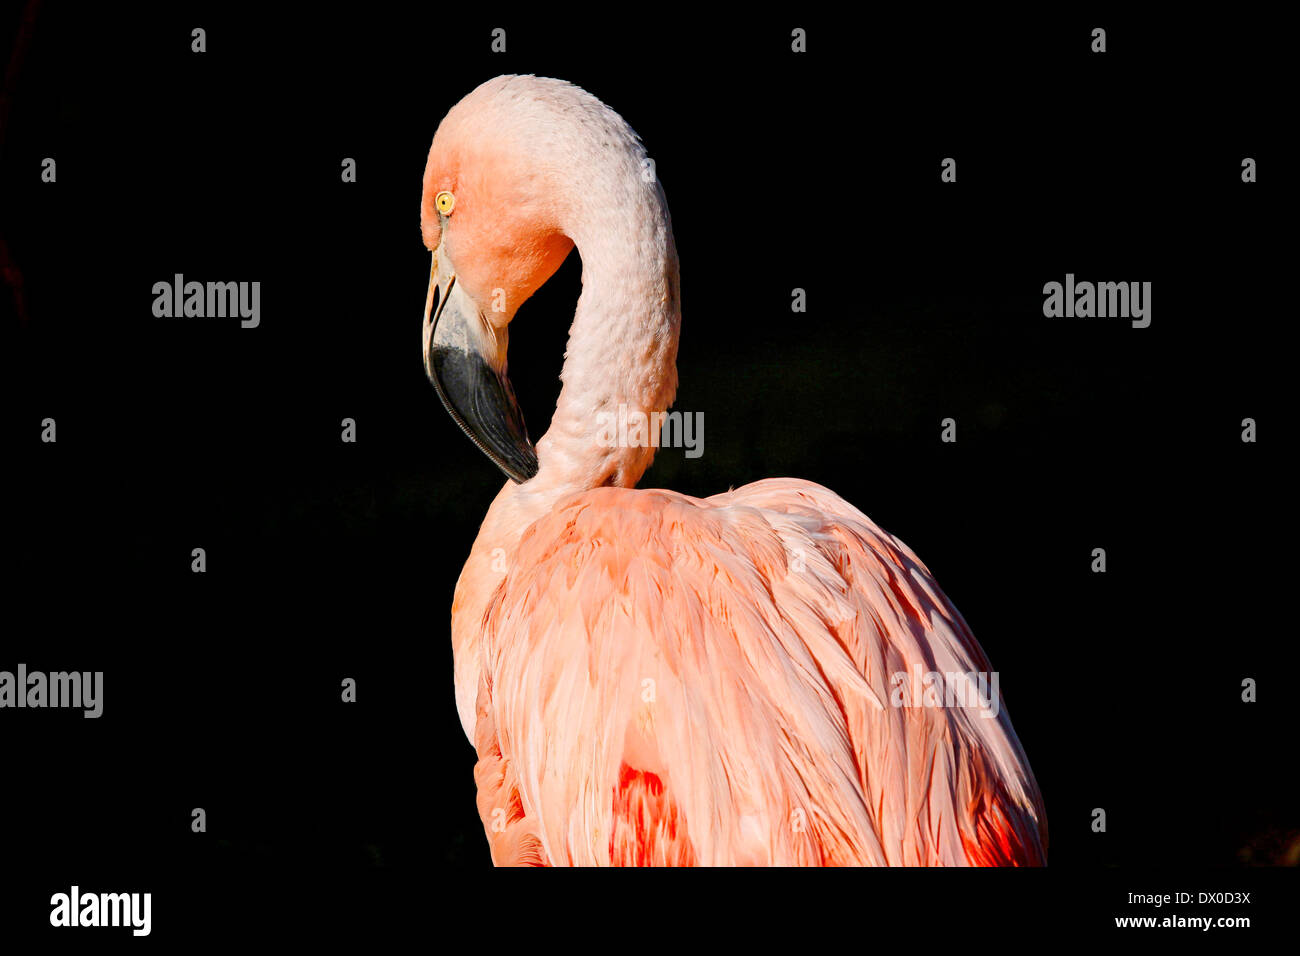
x=621, y=358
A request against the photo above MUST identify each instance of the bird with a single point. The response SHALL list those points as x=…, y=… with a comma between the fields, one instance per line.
x=649, y=678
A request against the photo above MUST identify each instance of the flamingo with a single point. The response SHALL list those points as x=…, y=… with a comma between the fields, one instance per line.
x=650, y=678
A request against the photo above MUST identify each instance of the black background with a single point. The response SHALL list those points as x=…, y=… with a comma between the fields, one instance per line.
x=329, y=560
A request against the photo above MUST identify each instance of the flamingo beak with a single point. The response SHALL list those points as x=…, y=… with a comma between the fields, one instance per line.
x=465, y=358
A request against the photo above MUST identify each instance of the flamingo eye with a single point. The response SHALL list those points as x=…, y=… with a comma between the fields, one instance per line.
x=445, y=202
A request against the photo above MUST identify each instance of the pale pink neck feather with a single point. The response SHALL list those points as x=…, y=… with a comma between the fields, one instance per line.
x=622, y=348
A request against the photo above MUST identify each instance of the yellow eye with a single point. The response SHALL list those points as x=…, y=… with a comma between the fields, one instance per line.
x=445, y=202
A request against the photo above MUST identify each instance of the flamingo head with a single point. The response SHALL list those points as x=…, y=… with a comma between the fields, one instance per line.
x=491, y=213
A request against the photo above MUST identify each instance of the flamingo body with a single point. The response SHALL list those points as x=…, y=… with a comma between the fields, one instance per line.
x=679, y=695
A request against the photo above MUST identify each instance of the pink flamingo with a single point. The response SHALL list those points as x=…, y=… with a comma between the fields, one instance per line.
x=650, y=678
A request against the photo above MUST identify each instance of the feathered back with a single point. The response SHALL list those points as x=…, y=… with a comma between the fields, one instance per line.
x=713, y=682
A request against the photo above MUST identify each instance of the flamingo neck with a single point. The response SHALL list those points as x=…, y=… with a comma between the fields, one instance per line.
x=621, y=357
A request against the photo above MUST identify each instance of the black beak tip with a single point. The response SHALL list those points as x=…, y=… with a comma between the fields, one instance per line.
x=482, y=402
x=524, y=468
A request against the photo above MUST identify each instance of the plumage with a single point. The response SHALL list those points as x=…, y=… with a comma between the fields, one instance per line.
x=654, y=679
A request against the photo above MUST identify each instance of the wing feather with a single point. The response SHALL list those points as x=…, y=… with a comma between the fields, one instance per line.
x=674, y=680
